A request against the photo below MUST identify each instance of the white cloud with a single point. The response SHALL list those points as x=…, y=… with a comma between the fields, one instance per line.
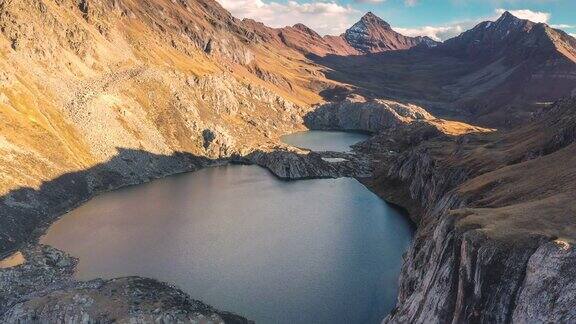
x=409, y=3
x=437, y=33
x=325, y=17
x=535, y=16
x=369, y=1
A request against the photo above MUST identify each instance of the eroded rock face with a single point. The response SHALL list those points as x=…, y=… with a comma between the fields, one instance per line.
x=461, y=276
x=458, y=275
x=356, y=114
x=547, y=293
x=465, y=266
x=291, y=165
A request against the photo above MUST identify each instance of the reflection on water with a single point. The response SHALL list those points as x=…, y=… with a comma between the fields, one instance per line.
x=324, y=140
x=315, y=251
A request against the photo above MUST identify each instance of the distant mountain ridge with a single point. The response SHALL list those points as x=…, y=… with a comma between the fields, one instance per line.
x=517, y=61
x=512, y=37
x=497, y=73
x=370, y=35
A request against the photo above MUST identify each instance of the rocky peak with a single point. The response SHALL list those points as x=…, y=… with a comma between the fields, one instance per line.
x=370, y=34
x=306, y=30
x=426, y=41
x=508, y=23
x=508, y=36
x=373, y=35
x=369, y=25
x=370, y=19
x=507, y=17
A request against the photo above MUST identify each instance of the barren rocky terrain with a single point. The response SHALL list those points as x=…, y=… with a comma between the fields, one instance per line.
x=473, y=139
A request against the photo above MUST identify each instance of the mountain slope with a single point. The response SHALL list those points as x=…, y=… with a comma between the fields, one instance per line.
x=495, y=215
x=100, y=94
x=511, y=38
x=156, y=73
x=516, y=62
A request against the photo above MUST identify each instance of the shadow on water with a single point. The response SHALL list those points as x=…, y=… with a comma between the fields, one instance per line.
x=26, y=212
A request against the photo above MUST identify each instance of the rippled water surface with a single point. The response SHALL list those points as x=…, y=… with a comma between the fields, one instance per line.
x=315, y=251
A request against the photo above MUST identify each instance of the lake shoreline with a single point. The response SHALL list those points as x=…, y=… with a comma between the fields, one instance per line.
x=311, y=171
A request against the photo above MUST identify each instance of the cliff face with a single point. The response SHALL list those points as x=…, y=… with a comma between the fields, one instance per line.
x=495, y=243
x=495, y=239
x=373, y=116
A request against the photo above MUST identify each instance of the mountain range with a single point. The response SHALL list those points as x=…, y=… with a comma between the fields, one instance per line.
x=498, y=73
x=368, y=36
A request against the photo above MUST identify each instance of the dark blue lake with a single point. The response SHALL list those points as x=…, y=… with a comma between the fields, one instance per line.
x=314, y=251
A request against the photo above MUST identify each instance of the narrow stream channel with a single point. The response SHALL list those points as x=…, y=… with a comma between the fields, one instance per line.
x=314, y=251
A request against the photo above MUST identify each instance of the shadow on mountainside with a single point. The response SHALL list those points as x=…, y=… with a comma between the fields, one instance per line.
x=415, y=74
x=495, y=92
x=24, y=212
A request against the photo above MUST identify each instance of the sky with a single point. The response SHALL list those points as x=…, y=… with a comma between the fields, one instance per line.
x=438, y=19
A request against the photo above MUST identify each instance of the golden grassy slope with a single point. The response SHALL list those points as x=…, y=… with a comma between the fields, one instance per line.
x=77, y=83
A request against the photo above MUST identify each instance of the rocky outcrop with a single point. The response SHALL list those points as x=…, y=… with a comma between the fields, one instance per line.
x=372, y=116
x=292, y=165
x=298, y=165
x=124, y=300
x=42, y=290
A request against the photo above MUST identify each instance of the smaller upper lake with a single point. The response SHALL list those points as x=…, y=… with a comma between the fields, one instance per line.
x=325, y=140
